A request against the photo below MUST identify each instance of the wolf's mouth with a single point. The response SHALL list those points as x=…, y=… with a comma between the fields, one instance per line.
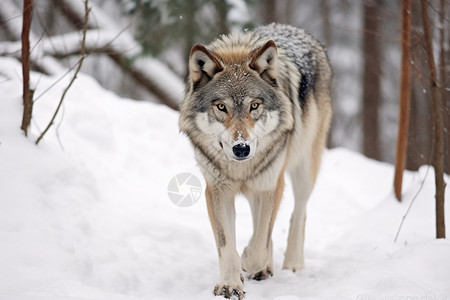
x=221, y=145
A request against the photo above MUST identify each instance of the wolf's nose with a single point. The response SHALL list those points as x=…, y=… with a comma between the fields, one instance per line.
x=241, y=150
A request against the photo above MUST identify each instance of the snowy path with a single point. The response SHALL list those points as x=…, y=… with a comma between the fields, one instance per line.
x=92, y=220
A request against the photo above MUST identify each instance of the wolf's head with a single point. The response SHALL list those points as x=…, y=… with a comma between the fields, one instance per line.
x=233, y=96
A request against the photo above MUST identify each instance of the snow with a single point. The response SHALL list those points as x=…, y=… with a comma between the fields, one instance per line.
x=161, y=76
x=96, y=40
x=86, y=214
x=238, y=15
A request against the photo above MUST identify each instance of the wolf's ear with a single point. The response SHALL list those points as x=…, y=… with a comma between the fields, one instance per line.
x=264, y=60
x=203, y=65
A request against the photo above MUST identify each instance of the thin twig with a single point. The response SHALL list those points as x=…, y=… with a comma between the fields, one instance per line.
x=411, y=204
x=56, y=82
x=82, y=54
x=57, y=129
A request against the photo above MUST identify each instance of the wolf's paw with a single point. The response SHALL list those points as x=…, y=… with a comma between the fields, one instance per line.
x=257, y=263
x=261, y=275
x=230, y=291
x=294, y=267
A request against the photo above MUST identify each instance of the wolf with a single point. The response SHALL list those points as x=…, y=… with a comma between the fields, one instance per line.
x=257, y=105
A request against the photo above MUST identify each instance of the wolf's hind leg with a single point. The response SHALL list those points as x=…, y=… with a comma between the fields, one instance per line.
x=257, y=256
x=222, y=216
x=302, y=186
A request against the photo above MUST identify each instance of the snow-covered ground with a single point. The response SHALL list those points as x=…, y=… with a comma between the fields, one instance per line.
x=86, y=214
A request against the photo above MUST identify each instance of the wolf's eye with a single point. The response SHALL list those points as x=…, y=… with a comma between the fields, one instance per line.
x=254, y=106
x=221, y=107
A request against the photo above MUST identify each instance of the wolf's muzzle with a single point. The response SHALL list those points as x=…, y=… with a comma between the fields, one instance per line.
x=241, y=151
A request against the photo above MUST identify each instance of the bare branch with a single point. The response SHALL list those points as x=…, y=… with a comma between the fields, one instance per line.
x=80, y=63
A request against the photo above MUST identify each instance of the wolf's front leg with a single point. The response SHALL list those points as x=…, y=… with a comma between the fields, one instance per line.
x=257, y=256
x=222, y=215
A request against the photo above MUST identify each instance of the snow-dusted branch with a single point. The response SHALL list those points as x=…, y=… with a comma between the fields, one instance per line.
x=102, y=36
x=61, y=46
x=11, y=23
x=97, y=41
x=120, y=46
x=40, y=62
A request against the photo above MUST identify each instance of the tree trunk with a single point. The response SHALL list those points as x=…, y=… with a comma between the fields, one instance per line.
x=325, y=12
x=419, y=138
x=438, y=157
x=327, y=33
x=372, y=92
x=27, y=93
x=287, y=11
x=403, y=118
x=222, y=11
x=445, y=94
x=269, y=11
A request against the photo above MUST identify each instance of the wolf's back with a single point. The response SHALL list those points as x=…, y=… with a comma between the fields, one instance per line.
x=297, y=44
x=308, y=55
